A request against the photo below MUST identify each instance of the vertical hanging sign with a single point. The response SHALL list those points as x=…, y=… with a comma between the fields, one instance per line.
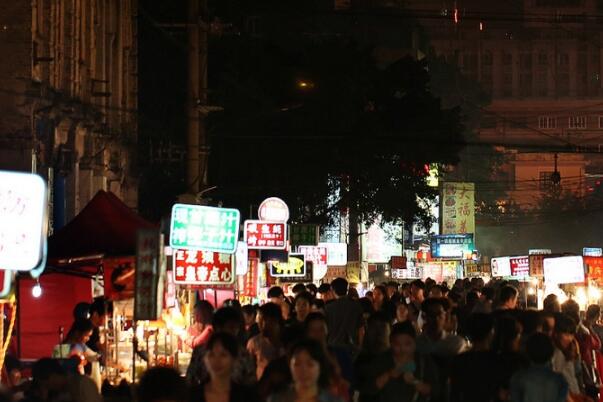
x=148, y=293
x=458, y=208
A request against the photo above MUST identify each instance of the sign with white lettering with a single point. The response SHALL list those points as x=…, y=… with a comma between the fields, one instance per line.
x=196, y=227
x=265, y=235
x=197, y=267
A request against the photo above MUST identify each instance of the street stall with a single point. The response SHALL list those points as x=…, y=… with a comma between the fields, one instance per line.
x=96, y=250
x=565, y=277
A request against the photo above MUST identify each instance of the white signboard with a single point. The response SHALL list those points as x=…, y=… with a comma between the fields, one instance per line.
x=337, y=253
x=319, y=272
x=564, y=270
x=23, y=220
x=501, y=266
x=241, y=258
x=273, y=209
x=540, y=251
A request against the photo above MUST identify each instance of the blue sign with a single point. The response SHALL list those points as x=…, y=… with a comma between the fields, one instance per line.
x=592, y=252
x=453, y=246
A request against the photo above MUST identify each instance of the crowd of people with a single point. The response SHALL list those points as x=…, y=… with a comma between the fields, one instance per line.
x=419, y=341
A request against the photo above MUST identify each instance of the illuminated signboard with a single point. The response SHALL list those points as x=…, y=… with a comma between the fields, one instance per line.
x=295, y=266
x=501, y=266
x=196, y=227
x=337, y=253
x=149, y=272
x=303, y=234
x=273, y=209
x=458, y=208
x=592, y=252
x=517, y=267
x=198, y=267
x=540, y=251
x=537, y=265
x=457, y=246
x=564, y=270
x=241, y=258
x=265, y=235
x=520, y=266
x=23, y=220
x=317, y=255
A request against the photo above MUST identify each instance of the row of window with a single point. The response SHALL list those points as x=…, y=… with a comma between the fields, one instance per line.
x=573, y=122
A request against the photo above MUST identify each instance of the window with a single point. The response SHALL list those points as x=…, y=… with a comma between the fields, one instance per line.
x=507, y=59
x=545, y=180
x=600, y=121
x=547, y=122
x=541, y=84
x=577, y=122
x=525, y=84
x=542, y=59
x=525, y=61
x=487, y=58
x=490, y=122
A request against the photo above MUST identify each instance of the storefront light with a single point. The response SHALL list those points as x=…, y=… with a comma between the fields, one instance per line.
x=594, y=294
x=581, y=296
x=36, y=291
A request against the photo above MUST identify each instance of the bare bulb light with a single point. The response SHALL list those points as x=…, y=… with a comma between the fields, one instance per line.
x=36, y=291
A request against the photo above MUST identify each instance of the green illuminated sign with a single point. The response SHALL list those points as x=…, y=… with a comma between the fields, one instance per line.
x=196, y=227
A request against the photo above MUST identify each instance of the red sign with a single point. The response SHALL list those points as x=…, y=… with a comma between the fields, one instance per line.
x=248, y=283
x=398, y=262
x=197, y=267
x=266, y=235
x=595, y=268
x=520, y=266
x=317, y=255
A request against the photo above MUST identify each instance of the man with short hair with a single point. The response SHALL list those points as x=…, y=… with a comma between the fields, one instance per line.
x=434, y=340
x=473, y=373
x=326, y=293
x=344, y=318
x=276, y=295
x=51, y=382
x=98, y=314
x=508, y=298
x=539, y=383
x=564, y=336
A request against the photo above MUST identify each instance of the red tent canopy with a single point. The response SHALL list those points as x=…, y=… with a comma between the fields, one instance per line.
x=105, y=226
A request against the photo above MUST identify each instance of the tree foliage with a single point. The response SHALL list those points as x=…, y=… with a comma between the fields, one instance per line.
x=316, y=122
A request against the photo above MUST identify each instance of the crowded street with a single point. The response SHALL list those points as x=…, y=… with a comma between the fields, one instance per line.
x=301, y=201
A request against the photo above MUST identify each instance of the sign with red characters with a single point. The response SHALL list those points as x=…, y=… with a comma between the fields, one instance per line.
x=595, y=268
x=314, y=254
x=265, y=235
x=197, y=267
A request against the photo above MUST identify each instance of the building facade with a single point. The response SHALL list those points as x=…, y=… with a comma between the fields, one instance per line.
x=541, y=62
x=68, y=97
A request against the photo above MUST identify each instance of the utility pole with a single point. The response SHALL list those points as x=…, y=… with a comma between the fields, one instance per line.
x=197, y=144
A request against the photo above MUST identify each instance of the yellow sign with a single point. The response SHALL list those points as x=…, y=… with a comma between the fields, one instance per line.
x=353, y=272
x=458, y=208
x=293, y=267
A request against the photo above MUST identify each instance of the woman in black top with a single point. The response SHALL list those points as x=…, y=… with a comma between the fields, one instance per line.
x=222, y=351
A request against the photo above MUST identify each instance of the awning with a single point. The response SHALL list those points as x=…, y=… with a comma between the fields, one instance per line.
x=106, y=226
